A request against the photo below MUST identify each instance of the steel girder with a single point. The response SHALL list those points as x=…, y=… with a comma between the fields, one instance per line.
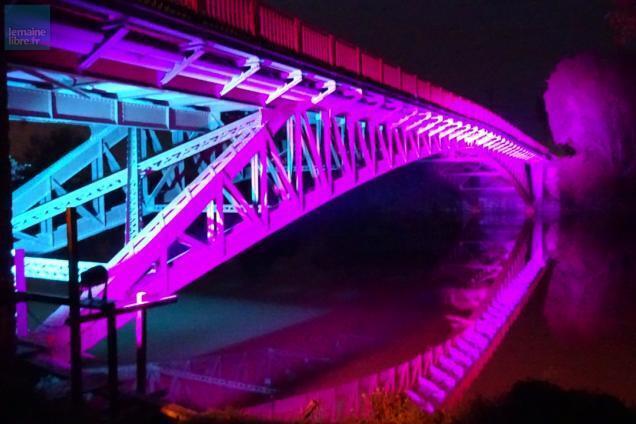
x=42, y=105
x=52, y=269
x=44, y=197
x=168, y=253
x=362, y=134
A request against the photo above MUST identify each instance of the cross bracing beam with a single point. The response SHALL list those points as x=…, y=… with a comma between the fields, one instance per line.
x=251, y=66
x=38, y=187
x=37, y=190
x=110, y=38
x=294, y=77
x=126, y=51
x=195, y=53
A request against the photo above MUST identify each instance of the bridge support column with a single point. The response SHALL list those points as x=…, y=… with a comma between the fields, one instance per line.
x=263, y=205
x=290, y=147
x=133, y=214
x=297, y=142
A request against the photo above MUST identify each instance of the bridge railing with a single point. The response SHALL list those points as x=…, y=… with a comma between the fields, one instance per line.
x=289, y=33
x=238, y=14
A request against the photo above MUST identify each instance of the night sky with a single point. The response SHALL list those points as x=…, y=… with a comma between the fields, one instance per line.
x=498, y=53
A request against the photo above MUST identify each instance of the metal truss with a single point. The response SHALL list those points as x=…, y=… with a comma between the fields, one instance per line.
x=327, y=152
x=214, y=188
x=191, y=70
x=38, y=201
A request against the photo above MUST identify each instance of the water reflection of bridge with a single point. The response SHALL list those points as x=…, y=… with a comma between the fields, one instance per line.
x=484, y=283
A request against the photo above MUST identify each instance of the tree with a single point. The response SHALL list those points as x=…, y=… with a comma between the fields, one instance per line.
x=591, y=103
x=622, y=20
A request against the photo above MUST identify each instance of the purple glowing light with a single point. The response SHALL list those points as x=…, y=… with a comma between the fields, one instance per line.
x=440, y=374
x=369, y=131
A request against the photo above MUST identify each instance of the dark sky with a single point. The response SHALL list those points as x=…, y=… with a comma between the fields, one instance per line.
x=498, y=52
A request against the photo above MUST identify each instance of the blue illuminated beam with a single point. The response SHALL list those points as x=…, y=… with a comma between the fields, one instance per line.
x=119, y=179
x=51, y=269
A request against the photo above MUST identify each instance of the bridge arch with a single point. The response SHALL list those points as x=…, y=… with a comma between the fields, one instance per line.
x=310, y=135
x=297, y=161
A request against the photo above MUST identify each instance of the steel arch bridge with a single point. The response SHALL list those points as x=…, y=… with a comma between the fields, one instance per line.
x=206, y=138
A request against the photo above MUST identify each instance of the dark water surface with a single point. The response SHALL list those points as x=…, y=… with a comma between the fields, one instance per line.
x=578, y=330
x=379, y=276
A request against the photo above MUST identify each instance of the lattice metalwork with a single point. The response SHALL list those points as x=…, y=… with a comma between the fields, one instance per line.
x=191, y=188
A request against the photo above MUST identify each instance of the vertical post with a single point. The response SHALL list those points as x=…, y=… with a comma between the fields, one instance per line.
x=74, y=307
x=263, y=183
x=254, y=178
x=371, y=129
x=97, y=172
x=210, y=219
x=220, y=222
x=113, y=389
x=46, y=226
x=326, y=139
x=351, y=138
x=141, y=342
x=298, y=160
x=22, y=318
x=290, y=148
x=389, y=143
x=143, y=154
x=132, y=187
x=343, y=137
x=319, y=133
